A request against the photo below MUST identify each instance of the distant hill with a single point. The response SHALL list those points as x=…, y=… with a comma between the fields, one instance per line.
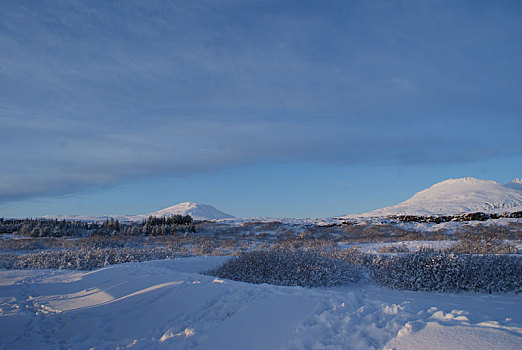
x=197, y=211
x=456, y=196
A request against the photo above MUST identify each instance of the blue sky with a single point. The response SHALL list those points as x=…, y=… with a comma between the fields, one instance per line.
x=260, y=108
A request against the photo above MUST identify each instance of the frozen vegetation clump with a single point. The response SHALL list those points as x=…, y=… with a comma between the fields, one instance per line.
x=84, y=258
x=288, y=268
x=434, y=271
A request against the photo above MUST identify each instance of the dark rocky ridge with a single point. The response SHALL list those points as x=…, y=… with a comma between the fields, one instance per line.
x=477, y=216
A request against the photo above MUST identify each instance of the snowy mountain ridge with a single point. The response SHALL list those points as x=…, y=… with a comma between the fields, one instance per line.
x=456, y=196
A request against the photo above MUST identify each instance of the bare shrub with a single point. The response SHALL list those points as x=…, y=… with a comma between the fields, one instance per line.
x=380, y=233
x=482, y=242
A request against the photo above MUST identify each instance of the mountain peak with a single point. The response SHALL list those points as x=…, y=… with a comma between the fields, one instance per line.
x=186, y=205
x=464, y=180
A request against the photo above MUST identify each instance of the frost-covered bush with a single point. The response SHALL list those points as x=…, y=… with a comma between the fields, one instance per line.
x=84, y=258
x=431, y=271
x=482, y=242
x=287, y=268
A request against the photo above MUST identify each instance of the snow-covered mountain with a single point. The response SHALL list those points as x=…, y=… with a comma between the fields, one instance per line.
x=456, y=196
x=197, y=211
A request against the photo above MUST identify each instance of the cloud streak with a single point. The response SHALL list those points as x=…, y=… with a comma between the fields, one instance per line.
x=93, y=94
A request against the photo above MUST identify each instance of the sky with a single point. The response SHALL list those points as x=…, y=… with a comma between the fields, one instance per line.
x=259, y=108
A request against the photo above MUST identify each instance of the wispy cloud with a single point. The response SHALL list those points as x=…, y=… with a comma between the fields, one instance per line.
x=95, y=93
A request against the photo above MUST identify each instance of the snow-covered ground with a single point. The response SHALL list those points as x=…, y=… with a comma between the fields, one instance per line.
x=168, y=304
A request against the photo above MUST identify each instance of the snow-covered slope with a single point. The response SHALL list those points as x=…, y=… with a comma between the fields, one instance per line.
x=455, y=196
x=197, y=211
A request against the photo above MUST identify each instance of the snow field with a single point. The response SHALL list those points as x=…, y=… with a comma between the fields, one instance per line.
x=168, y=304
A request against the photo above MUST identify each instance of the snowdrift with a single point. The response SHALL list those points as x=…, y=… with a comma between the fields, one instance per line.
x=168, y=305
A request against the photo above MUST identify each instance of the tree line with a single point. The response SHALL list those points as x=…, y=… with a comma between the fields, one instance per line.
x=154, y=226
